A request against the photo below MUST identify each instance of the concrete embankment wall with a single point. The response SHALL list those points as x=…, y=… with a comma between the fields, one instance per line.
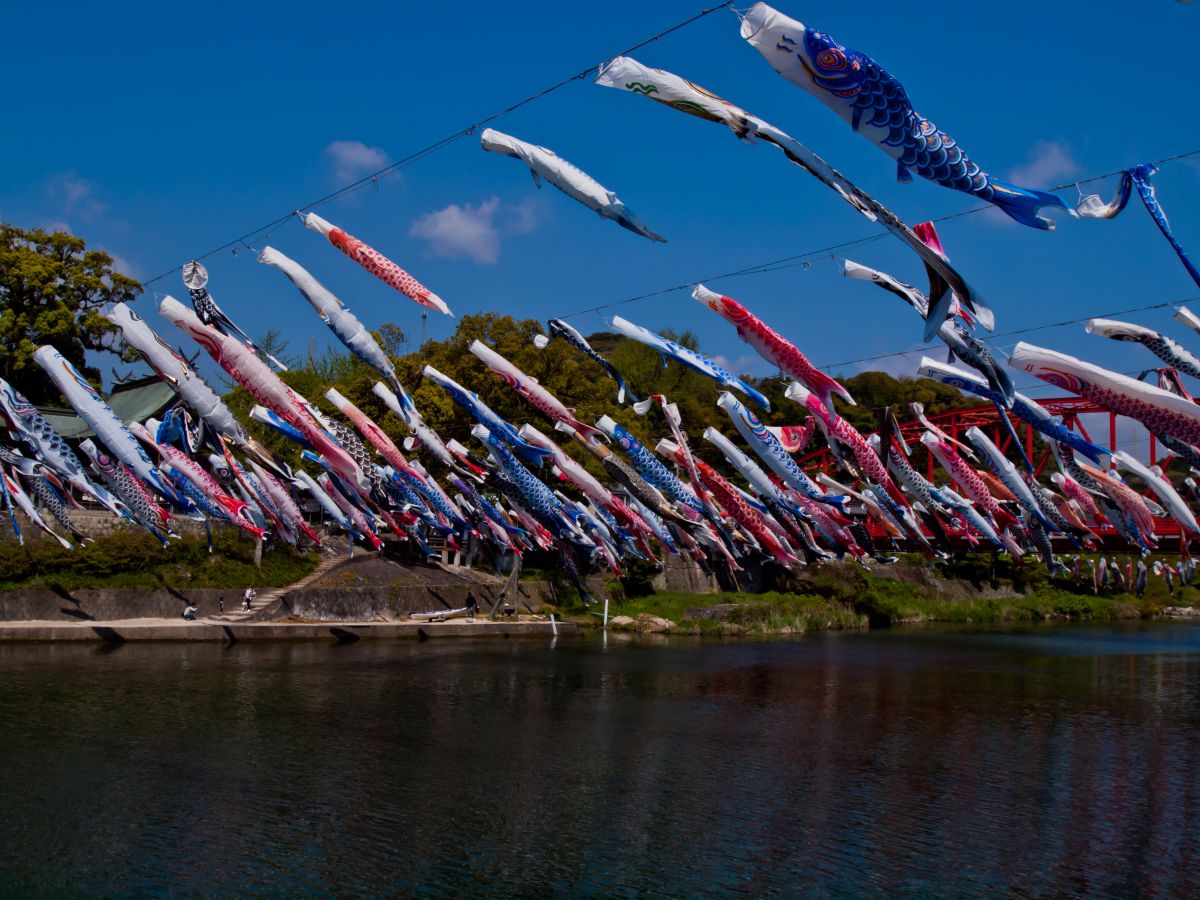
x=358, y=590
x=106, y=604
x=366, y=603
x=362, y=589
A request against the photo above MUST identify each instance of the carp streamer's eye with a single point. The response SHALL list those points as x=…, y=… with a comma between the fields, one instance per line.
x=831, y=59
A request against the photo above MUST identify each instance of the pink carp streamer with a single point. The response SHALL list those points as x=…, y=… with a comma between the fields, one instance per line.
x=1160, y=411
x=772, y=346
x=1073, y=490
x=205, y=483
x=373, y=433
x=263, y=385
x=1130, y=501
x=837, y=427
x=742, y=512
x=378, y=264
x=533, y=393
x=973, y=486
x=280, y=496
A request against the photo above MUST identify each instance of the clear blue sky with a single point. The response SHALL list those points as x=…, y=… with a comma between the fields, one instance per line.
x=158, y=132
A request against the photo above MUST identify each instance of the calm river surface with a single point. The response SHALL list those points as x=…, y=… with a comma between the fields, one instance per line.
x=1056, y=761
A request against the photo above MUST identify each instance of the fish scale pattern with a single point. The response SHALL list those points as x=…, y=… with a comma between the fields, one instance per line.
x=382, y=268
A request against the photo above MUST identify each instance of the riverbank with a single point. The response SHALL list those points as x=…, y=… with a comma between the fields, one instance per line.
x=372, y=598
x=134, y=630
x=973, y=590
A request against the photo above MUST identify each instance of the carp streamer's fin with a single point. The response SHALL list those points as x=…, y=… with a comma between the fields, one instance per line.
x=1092, y=207
x=1023, y=205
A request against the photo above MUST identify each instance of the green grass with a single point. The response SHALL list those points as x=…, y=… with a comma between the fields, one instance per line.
x=768, y=613
x=127, y=559
x=1026, y=594
x=901, y=603
x=850, y=597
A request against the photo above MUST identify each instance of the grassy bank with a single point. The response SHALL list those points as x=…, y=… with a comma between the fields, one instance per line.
x=127, y=559
x=975, y=589
x=738, y=613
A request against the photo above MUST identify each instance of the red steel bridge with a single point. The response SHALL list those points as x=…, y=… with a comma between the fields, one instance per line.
x=956, y=422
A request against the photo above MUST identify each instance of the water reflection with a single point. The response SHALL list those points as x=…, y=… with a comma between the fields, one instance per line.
x=1055, y=762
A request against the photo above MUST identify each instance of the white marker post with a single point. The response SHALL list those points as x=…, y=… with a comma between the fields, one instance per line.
x=606, y=610
x=553, y=625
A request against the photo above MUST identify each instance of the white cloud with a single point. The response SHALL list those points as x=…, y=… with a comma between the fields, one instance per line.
x=122, y=265
x=521, y=218
x=747, y=364
x=353, y=160
x=458, y=231
x=473, y=230
x=75, y=195
x=1048, y=163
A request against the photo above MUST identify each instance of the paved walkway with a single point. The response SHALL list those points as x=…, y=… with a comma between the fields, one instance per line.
x=124, y=630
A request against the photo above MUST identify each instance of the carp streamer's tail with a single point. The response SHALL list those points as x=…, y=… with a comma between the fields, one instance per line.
x=1023, y=204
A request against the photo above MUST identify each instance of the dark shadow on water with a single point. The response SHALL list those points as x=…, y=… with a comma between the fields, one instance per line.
x=110, y=635
x=344, y=635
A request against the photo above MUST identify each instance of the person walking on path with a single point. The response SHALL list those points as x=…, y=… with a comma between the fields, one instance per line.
x=247, y=598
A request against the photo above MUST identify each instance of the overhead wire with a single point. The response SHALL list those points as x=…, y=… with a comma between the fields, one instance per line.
x=374, y=177
x=811, y=256
x=804, y=259
x=1018, y=331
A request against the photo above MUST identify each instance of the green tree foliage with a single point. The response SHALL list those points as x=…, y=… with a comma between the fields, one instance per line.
x=874, y=390
x=579, y=383
x=51, y=291
x=135, y=559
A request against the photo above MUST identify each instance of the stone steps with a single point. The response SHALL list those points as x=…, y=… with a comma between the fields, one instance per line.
x=263, y=600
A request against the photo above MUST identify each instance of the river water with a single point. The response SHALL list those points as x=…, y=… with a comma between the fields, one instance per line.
x=923, y=762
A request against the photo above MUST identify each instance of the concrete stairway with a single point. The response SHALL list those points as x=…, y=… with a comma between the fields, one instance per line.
x=267, y=597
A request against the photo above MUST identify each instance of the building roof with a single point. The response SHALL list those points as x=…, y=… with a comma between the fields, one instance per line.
x=133, y=401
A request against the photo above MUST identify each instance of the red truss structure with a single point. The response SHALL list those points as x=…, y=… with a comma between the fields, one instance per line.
x=984, y=417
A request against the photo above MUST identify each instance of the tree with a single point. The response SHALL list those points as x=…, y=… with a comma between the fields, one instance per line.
x=392, y=338
x=51, y=291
